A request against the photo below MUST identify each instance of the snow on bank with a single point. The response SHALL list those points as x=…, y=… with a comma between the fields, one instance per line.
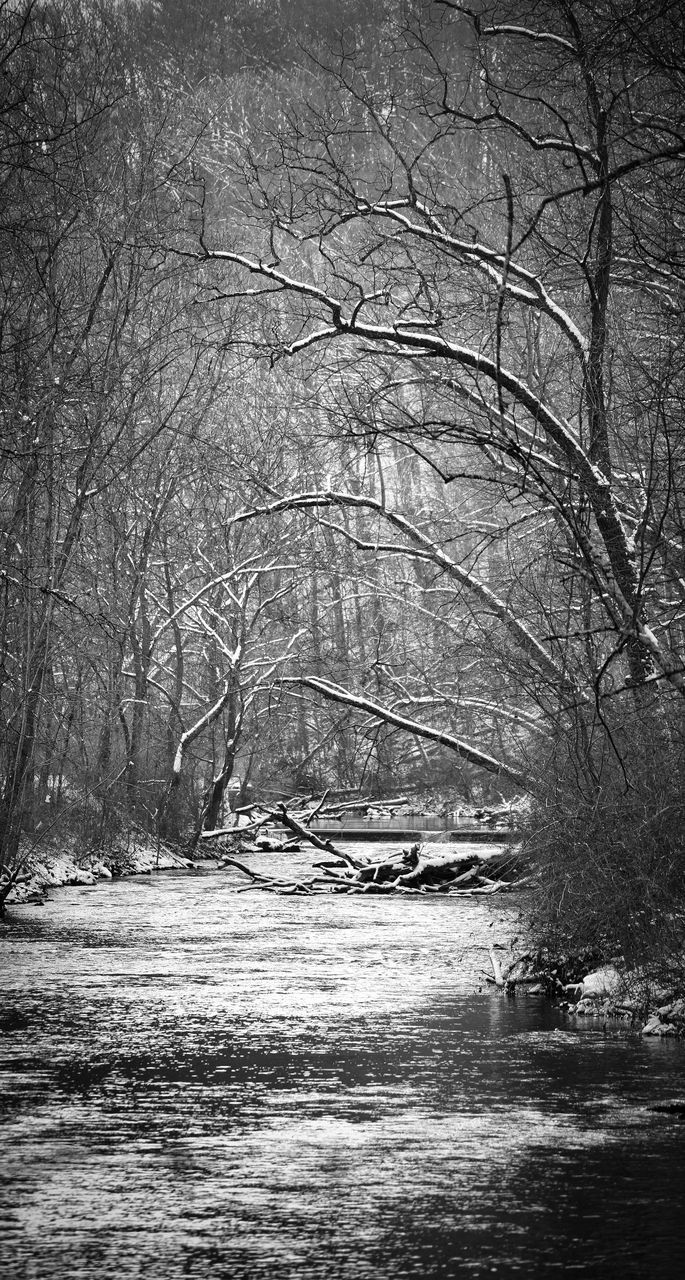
x=629, y=997
x=56, y=865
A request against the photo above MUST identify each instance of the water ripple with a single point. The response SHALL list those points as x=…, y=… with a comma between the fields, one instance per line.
x=202, y=1083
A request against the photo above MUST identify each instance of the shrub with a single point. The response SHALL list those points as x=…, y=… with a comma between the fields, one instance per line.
x=607, y=838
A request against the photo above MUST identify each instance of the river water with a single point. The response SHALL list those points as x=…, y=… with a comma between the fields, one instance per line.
x=199, y=1082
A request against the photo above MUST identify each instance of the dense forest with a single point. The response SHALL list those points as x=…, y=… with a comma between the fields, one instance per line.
x=342, y=446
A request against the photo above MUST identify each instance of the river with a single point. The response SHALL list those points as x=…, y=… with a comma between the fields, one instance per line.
x=199, y=1082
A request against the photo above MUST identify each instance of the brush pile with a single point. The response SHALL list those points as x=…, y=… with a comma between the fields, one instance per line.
x=423, y=869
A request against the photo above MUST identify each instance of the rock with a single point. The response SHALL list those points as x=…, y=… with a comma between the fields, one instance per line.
x=655, y=1027
x=674, y=1011
x=78, y=876
x=600, y=984
x=101, y=871
x=586, y=1009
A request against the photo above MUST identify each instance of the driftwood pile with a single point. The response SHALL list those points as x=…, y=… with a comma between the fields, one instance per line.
x=425, y=868
x=421, y=869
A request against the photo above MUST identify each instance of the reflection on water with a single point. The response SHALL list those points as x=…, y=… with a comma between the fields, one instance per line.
x=202, y=1083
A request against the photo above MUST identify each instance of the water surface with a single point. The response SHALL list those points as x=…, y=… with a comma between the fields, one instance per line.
x=200, y=1082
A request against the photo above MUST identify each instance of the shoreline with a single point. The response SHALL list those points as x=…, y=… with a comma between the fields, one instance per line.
x=619, y=1000
x=63, y=865
x=637, y=1000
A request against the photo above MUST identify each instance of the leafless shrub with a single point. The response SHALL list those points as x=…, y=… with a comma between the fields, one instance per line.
x=610, y=859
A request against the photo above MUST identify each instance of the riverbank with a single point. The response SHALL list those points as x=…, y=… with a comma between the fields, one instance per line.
x=59, y=863
x=615, y=997
x=630, y=998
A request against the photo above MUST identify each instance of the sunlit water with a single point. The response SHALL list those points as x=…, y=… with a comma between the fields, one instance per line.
x=199, y=1082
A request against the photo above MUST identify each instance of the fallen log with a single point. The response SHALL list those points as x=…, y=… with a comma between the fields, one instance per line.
x=334, y=810
x=496, y=968
x=281, y=816
x=248, y=871
x=304, y=833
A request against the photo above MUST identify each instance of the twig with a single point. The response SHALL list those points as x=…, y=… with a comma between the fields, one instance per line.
x=496, y=968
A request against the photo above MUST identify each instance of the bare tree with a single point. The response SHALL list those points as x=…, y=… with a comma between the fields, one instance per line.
x=87, y=343
x=451, y=255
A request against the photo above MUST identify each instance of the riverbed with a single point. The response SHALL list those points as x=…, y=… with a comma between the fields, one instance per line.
x=201, y=1082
